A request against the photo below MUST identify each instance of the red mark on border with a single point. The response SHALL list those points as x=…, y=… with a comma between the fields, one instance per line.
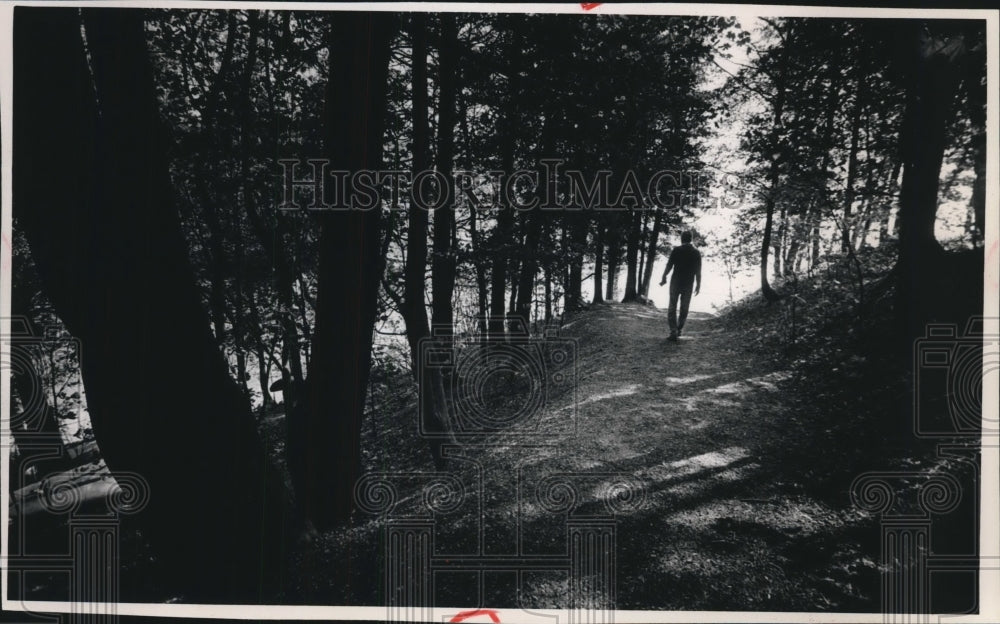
x=590, y=5
x=464, y=615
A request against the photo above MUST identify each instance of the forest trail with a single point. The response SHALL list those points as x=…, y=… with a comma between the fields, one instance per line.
x=702, y=426
x=716, y=515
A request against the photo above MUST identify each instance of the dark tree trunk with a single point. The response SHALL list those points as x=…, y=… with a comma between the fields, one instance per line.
x=599, y=266
x=654, y=239
x=478, y=252
x=931, y=95
x=263, y=376
x=216, y=516
x=852, y=168
x=433, y=408
x=350, y=269
x=574, y=238
x=885, y=212
x=443, y=264
x=643, y=243
x=513, y=269
x=614, y=255
x=211, y=208
x=534, y=224
x=632, y=256
x=976, y=99
x=529, y=266
x=482, y=280
x=269, y=238
x=779, y=242
x=765, y=286
x=502, y=237
x=934, y=56
x=774, y=175
x=548, y=293
x=791, y=256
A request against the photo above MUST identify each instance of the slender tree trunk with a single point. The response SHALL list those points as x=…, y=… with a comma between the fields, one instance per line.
x=534, y=223
x=886, y=210
x=654, y=240
x=482, y=280
x=852, y=167
x=432, y=396
x=614, y=255
x=977, y=115
x=632, y=256
x=478, y=253
x=529, y=265
x=779, y=242
x=774, y=176
x=505, y=215
x=574, y=237
x=643, y=244
x=269, y=238
x=599, y=265
x=211, y=208
x=548, y=293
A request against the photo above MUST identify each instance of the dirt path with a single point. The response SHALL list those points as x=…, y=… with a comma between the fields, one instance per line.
x=696, y=424
x=682, y=442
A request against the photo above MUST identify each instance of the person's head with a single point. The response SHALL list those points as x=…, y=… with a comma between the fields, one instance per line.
x=685, y=237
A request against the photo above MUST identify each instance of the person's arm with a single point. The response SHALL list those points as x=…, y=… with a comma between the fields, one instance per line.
x=670, y=265
x=697, y=275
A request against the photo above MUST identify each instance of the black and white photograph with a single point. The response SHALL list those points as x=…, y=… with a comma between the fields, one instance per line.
x=499, y=313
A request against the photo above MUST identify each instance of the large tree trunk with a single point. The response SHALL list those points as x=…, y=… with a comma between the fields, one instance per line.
x=935, y=58
x=930, y=99
x=433, y=409
x=443, y=264
x=350, y=269
x=108, y=246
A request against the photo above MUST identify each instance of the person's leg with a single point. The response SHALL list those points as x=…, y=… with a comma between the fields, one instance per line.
x=685, y=301
x=672, y=310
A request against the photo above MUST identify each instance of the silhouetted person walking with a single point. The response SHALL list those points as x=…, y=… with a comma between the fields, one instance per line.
x=685, y=261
